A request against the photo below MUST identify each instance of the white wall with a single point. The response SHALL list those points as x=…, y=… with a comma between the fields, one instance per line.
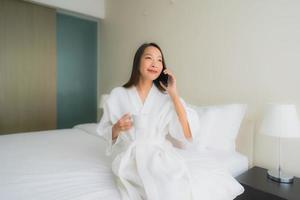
x=221, y=51
x=92, y=8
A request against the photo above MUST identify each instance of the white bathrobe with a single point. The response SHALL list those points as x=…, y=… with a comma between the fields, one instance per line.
x=146, y=164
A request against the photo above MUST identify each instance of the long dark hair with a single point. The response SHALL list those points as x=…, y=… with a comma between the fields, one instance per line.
x=135, y=73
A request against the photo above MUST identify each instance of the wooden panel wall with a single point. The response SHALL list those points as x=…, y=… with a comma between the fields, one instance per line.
x=27, y=67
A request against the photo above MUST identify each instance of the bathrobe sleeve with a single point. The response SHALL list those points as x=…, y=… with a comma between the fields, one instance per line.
x=175, y=129
x=105, y=129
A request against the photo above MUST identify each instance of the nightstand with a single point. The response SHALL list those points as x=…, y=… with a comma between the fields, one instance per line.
x=259, y=187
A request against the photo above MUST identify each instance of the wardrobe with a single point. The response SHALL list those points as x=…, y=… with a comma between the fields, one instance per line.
x=48, y=68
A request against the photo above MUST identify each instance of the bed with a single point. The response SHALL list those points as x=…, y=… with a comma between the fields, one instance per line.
x=69, y=164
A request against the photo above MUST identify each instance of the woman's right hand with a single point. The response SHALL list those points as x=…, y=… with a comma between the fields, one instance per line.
x=123, y=124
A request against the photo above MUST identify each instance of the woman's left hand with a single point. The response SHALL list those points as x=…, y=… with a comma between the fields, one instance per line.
x=171, y=88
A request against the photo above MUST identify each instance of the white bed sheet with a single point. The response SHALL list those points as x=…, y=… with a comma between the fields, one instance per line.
x=68, y=164
x=235, y=162
x=61, y=164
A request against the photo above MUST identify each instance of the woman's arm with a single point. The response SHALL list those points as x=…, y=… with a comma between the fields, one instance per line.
x=172, y=91
x=182, y=116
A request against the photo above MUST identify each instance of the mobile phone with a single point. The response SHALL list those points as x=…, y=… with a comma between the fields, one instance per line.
x=163, y=78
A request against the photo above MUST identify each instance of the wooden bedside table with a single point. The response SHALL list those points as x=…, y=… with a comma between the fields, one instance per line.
x=259, y=187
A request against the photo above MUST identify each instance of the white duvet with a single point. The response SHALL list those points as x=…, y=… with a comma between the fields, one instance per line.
x=71, y=165
x=60, y=164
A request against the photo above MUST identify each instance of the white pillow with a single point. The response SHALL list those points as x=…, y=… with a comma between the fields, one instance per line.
x=219, y=125
x=90, y=128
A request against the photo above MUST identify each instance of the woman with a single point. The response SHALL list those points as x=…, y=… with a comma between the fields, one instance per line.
x=138, y=118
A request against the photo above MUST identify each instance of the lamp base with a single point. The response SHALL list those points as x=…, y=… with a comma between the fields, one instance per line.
x=280, y=177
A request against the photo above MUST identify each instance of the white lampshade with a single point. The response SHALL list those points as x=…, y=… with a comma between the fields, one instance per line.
x=280, y=121
x=102, y=100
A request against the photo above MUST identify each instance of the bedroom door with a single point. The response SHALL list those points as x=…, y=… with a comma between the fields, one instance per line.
x=76, y=71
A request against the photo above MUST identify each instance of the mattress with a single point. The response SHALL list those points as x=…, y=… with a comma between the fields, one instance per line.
x=68, y=164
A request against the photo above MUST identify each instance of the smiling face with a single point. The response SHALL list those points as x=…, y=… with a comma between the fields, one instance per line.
x=148, y=63
x=151, y=63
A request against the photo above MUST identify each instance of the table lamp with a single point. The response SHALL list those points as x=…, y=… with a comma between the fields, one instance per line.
x=280, y=121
